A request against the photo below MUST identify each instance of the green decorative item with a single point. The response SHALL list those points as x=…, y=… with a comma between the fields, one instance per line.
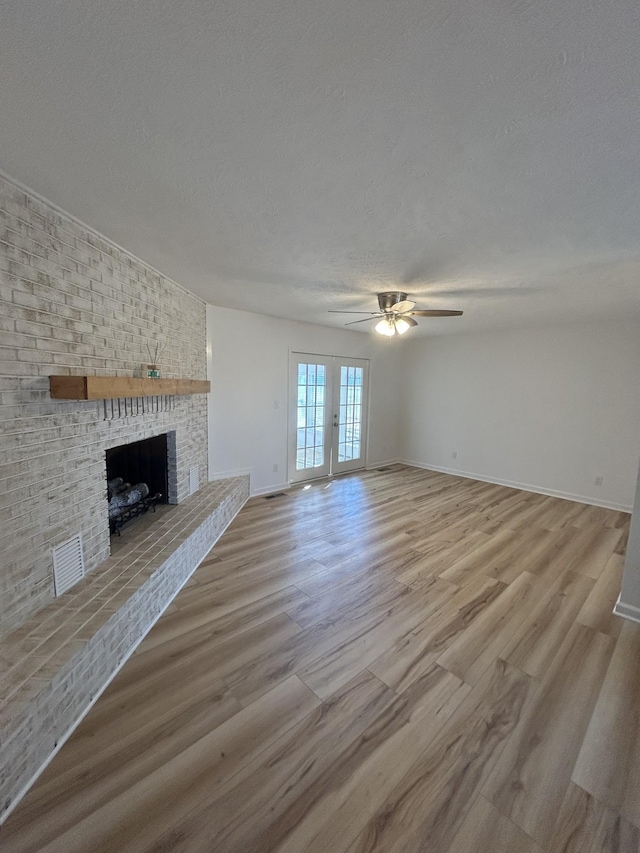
x=153, y=371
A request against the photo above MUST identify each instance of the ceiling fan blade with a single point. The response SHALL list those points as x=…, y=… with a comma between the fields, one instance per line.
x=402, y=307
x=372, y=313
x=435, y=312
x=366, y=320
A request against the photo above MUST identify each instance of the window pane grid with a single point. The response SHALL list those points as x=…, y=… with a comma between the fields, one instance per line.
x=310, y=416
x=350, y=413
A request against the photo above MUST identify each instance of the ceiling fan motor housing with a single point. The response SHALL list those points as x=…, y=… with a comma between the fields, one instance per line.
x=389, y=298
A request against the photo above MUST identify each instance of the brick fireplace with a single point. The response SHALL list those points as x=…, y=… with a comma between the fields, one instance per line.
x=73, y=303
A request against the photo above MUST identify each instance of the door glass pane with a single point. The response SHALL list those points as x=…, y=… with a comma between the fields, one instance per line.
x=349, y=445
x=310, y=450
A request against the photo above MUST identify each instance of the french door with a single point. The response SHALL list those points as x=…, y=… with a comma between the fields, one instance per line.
x=327, y=415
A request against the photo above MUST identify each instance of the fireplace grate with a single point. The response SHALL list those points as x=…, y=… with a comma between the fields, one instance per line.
x=127, y=513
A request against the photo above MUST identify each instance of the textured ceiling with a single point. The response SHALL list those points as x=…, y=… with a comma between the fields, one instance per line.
x=294, y=156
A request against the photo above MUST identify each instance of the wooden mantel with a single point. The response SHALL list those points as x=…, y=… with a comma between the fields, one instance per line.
x=112, y=387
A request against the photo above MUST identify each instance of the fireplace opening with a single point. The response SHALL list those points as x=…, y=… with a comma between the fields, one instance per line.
x=137, y=479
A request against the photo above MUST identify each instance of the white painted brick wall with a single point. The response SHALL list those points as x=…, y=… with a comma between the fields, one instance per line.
x=72, y=303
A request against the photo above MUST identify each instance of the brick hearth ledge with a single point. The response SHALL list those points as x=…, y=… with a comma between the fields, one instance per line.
x=54, y=667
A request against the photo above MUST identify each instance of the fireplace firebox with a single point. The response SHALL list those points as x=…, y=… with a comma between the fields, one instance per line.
x=137, y=479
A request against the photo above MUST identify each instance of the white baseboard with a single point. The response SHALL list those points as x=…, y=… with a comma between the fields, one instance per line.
x=526, y=487
x=268, y=490
x=627, y=611
x=373, y=465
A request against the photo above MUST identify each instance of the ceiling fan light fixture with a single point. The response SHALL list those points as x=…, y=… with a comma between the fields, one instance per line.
x=396, y=314
x=386, y=327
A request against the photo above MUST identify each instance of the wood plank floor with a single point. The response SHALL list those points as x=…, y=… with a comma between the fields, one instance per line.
x=391, y=661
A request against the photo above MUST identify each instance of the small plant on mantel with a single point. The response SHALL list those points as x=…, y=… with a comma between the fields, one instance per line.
x=153, y=371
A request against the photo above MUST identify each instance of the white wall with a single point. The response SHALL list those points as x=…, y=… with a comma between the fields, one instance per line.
x=248, y=363
x=546, y=409
x=628, y=603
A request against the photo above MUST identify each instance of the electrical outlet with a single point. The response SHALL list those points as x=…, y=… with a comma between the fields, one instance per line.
x=598, y=481
x=454, y=455
x=275, y=467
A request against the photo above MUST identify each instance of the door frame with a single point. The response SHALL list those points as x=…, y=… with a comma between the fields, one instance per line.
x=328, y=425
x=292, y=417
x=341, y=361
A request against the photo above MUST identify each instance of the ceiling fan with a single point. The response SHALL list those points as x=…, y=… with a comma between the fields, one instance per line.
x=397, y=313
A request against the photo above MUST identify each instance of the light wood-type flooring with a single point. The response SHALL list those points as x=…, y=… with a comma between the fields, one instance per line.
x=395, y=660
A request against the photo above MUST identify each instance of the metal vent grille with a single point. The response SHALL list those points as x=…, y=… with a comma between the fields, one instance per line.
x=68, y=564
x=194, y=480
